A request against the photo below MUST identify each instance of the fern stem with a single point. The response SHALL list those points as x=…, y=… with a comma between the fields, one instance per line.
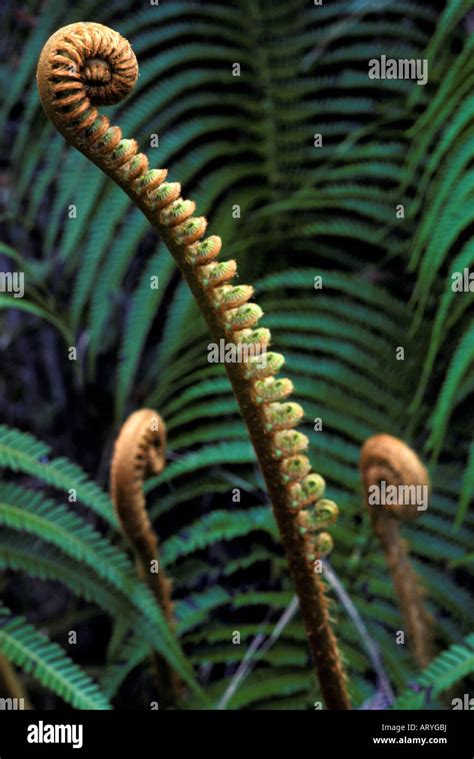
x=385, y=459
x=85, y=65
x=139, y=453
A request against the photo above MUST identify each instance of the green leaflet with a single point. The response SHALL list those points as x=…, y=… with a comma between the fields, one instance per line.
x=21, y=552
x=143, y=308
x=21, y=644
x=467, y=489
x=218, y=525
x=26, y=511
x=55, y=525
x=7, y=301
x=20, y=451
x=446, y=670
x=225, y=452
x=460, y=364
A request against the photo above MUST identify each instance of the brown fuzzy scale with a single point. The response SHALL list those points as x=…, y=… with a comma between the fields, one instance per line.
x=139, y=453
x=385, y=458
x=66, y=58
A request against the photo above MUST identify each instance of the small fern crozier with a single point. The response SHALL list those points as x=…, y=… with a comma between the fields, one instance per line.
x=139, y=453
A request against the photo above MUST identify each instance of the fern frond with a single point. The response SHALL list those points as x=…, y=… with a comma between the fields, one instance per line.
x=21, y=452
x=451, y=666
x=216, y=526
x=24, y=646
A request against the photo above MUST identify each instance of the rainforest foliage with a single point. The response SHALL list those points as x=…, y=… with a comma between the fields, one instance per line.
x=353, y=241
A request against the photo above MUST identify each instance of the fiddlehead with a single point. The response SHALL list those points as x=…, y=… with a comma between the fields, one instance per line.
x=139, y=453
x=390, y=469
x=85, y=65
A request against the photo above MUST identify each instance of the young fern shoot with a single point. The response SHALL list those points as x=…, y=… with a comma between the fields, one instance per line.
x=86, y=65
x=139, y=453
x=387, y=462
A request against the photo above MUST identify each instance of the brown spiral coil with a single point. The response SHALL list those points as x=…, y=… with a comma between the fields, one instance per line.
x=139, y=453
x=84, y=65
x=385, y=458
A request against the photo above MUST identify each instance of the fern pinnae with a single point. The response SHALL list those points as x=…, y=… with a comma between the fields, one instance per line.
x=449, y=667
x=85, y=65
x=260, y=336
x=23, y=645
x=229, y=296
x=217, y=273
x=271, y=389
x=295, y=468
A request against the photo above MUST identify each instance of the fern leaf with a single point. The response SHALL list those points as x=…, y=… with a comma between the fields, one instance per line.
x=451, y=666
x=24, y=646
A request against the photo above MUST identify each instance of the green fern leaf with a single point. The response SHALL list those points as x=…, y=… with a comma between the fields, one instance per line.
x=24, y=646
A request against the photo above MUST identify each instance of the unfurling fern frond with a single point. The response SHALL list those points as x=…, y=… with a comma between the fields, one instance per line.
x=140, y=451
x=387, y=462
x=86, y=65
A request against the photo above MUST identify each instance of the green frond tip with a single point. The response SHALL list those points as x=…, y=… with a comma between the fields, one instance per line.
x=309, y=490
x=177, y=212
x=190, y=231
x=289, y=443
x=24, y=646
x=202, y=252
x=123, y=151
x=232, y=296
x=243, y=317
x=215, y=273
x=326, y=513
x=323, y=544
x=260, y=336
x=264, y=364
x=165, y=194
x=151, y=179
x=271, y=389
x=295, y=468
x=282, y=416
